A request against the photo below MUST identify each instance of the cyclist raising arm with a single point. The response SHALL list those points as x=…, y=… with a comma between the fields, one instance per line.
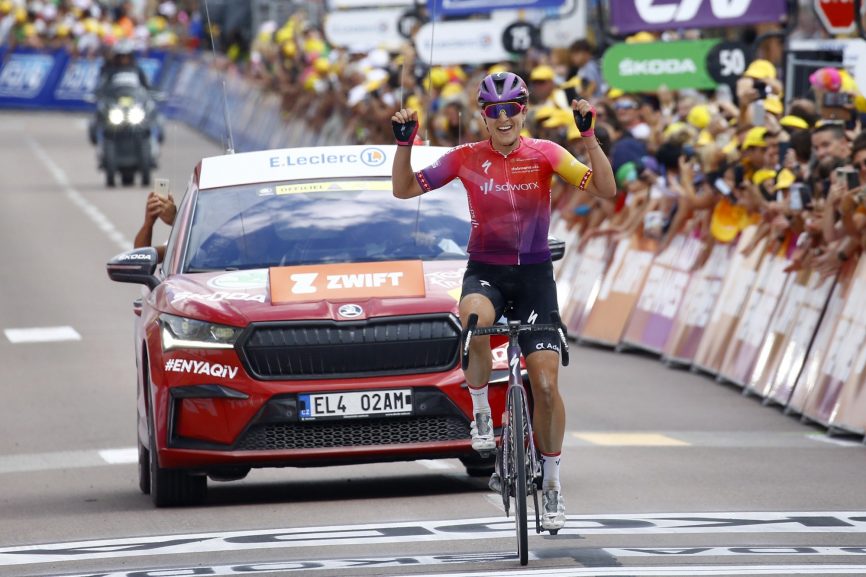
x=507, y=179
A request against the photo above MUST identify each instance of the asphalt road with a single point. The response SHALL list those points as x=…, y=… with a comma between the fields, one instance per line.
x=665, y=472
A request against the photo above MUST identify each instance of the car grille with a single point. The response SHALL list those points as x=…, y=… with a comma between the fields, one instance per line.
x=354, y=433
x=351, y=349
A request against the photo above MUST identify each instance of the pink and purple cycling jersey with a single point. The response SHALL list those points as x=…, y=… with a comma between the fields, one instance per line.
x=509, y=196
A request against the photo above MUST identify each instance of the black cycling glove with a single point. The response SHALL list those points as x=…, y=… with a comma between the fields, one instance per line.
x=404, y=132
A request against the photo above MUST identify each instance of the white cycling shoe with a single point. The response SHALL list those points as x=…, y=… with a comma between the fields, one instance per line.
x=552, y=510
x=483, y=439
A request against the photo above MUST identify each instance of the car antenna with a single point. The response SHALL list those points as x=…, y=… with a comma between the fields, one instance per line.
x=230, y=141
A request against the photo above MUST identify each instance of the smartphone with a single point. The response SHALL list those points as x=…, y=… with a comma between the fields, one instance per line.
x=739, y=174
x=758, y=113
x=852, y=178
x=761, y=87
x=688, y=151
x=161, y=186
x=836, y=99
x=722, y=186
x=796, y=198
x=784, y=147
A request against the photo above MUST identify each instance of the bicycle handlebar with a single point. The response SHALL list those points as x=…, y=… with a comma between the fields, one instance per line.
x=514, y=328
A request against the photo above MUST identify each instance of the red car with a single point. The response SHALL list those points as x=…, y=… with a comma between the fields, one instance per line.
x=303, y=316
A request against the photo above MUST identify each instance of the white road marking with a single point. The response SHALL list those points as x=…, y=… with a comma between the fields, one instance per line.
x=89, y=209
x=42, y=334
x=435, y=465
x=701, y=551
x=119, y=456
x=690, y=571
x=429, y=531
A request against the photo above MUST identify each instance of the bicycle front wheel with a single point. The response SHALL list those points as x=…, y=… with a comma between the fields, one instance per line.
x=518, y=454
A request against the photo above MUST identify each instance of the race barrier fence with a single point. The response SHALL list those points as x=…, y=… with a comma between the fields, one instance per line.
x=192, y=90
x=794, y=339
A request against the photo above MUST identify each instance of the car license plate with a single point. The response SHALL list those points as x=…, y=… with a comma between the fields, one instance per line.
x=357, y=404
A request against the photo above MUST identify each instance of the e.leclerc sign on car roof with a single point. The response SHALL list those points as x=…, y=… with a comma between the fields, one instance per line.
x=307, y=163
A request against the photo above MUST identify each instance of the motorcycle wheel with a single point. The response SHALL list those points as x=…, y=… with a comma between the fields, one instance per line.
x=146, y=163
x=109, y=164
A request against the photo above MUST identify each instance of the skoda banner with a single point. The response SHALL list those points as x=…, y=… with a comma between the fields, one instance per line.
x=644, y=67
x=628, y=16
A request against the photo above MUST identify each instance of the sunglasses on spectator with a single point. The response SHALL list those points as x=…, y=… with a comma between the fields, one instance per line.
x=509, y=108
x=625, y=105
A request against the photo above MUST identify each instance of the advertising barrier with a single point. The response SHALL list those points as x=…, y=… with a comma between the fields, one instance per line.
x=697, y=307
x=583, y=281
x=664, y=289
x=618, y=292
x=735, y=291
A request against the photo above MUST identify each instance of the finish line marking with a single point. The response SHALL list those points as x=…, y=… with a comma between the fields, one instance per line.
x=427, y=531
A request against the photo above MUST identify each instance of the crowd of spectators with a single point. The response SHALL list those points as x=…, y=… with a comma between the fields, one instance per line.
x=704, y=162
x=91, y=27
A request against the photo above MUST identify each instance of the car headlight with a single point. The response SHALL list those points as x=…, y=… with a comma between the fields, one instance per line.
x=183, y=333
x=115, y=116
x=135, y=115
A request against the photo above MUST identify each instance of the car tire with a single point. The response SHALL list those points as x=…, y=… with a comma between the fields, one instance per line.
x=173, y=487
x=479, y=466
x=143, y=469
x=127, y=177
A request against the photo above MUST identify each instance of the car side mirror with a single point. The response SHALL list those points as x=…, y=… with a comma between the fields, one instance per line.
x=557, y=248
x=136, y=266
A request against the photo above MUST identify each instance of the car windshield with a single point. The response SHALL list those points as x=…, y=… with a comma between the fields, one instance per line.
x=316, y=222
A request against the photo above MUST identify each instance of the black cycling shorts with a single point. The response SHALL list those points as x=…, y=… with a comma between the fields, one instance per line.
x=532, y=290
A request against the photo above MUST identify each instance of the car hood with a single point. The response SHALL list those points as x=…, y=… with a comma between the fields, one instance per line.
x=238, y=298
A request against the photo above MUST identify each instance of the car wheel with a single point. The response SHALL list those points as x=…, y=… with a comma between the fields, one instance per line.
x=173, y=487
x=479, y=466
x=143, y=469
x=127, y=177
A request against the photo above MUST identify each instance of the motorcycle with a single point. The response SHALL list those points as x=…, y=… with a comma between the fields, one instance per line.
x=126, y=129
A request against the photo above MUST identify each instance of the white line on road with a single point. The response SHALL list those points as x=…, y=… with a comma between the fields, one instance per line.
x=93, y=213
x=430, y=531
x=435, y=465
x=689, y=571
x=119, y=456
x=32, y=462
x=42, y=335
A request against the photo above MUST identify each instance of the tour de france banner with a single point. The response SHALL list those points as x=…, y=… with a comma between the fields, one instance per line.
x=849, y=413
x=586, y=280
x=700, y=300
x=839, y=354
x=628, y=16
x=814, y=292
x=33, y=78
x=619, y=291
x=742, y=351
x=806, y=387
x=644, y=66
x=665, y=287
x=738, y=282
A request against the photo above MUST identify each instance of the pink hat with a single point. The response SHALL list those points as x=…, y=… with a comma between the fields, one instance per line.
x=827, y=79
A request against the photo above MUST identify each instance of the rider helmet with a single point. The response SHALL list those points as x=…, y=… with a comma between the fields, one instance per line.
x=502, y=87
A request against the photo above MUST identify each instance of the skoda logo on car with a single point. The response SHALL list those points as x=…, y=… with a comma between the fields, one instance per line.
x=350, y=311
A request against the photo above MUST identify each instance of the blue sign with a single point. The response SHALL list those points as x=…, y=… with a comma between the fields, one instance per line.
x=25, y=76
x=466, y=7
x=79, y=79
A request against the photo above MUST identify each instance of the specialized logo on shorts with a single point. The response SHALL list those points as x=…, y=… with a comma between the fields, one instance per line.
x=533, y=316
x=484, y=283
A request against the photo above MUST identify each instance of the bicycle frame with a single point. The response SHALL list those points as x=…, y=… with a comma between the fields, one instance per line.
x=517, y=484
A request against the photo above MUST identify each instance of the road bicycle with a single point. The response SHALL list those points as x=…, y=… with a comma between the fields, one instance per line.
x=518, y=461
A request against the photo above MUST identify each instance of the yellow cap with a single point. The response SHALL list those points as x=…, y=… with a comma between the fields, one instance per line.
x=6, y=6
x=791, y=121
x=640, y=37
x=497, y=68
x=761, y=69
x=784, y=179
x=542, y=73
x=763, y=175
x=848, y=84
x=321, y=65
x=673, y=128
x=705, y=138
x=573, y=82
x=728, y=220
x=451, y=89
x=544, y=112
x=559, y=118
x=773, y=105
x=699, y=116
x=755, y=138
x=289, y=48
x=615, y=93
